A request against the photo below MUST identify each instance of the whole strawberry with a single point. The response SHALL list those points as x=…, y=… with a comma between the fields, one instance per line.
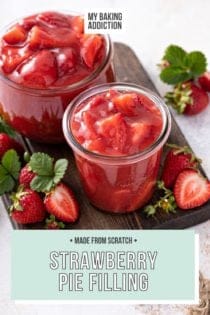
x=7, y=143
x=27, y=206
x=177, y=159
x=204, y=81
x=26, y=176
x=187, y=98
x=62, y=203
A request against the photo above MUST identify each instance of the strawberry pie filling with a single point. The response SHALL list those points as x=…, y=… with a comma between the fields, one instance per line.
x=112, y=126
x=49, y=50
x=117, y=123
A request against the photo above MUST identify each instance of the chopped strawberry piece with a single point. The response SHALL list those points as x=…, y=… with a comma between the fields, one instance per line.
x=191, y=189
x=66, y=61
x=114, y=130
x=62, y=203
x=91, y=44
x=127, y=103
x=97, y=145
x=28, y=22
x=53, y=19
x=40, y=70
x=77, y=23
x=41, y=37
x=139, y=132
x=89, y=123
x=15, y=35
x=12, y=57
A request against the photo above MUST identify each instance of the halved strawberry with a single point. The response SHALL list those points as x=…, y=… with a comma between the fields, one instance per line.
x=41, y=37
x=126, y=103
x=13, y=56
x=62, y=203
x=15, y=35
x=40, y=70
x=114, y=130
x=53, y=19
x=91, y=44
x=191, y=189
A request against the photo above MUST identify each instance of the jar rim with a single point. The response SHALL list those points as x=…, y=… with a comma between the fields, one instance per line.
x=71, y=87
x=121, y=159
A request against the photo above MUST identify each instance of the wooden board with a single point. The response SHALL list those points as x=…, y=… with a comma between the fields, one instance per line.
x=128, y=69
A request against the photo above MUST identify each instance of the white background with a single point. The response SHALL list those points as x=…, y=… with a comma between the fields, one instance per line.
x=151, y=26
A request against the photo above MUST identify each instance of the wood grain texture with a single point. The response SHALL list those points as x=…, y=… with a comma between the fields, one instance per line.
x=128, y=69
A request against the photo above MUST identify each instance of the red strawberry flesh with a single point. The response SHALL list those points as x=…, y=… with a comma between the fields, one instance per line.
x=191, y=189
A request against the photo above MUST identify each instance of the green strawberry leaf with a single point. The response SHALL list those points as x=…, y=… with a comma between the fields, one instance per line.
x=10, y=161
x=42, y=183
x=175, y=55
x=59, y=170
x=173, y=75
x=5, y=128
x=197, y=63
x=42, y=164
x=7, y=182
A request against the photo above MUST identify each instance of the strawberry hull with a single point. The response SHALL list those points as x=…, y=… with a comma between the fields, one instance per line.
x=117, y=163
x=44, y=64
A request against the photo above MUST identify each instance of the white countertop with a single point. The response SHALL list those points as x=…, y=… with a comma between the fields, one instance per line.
x=151, y=26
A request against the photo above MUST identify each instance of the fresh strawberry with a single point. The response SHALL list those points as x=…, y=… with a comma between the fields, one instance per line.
x=204, y=81
x=91, y=45
x=27, y=207
x=15, y=35
x=7, y=143
x=52, y=224
x=26, y=176
x=191, y=189
x=62, y=203
x=177, y=159
x=188, y=98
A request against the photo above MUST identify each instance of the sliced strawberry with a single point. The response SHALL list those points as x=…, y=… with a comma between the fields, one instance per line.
x=91, y=45
x=41, y=37
x=53, y=19
x=127, y=103
x=40, y=70
x=191, y=189
x=15, y=35
x=77, y=23
x=62, y=203
x=204, y=81
x=12, y=57
x=114, y=130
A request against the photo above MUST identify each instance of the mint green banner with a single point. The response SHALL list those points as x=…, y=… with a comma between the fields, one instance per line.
x=103, y=265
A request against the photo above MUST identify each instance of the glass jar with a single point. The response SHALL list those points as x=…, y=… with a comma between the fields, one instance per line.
x=37, y=113
x=118, y=184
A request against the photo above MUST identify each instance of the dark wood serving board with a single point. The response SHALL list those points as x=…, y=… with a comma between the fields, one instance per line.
x=128, y=69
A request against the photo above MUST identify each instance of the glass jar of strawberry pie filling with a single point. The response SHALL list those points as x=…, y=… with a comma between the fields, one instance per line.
x=117, y=132
x=45, y=61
